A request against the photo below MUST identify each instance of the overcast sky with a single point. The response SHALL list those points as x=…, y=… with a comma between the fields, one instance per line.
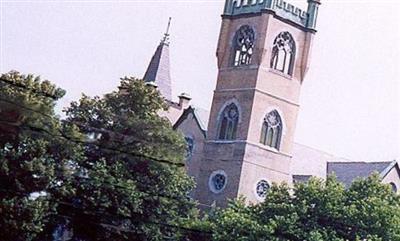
x=350, y=102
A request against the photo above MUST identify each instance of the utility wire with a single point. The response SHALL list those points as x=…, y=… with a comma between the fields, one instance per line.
x=64, y=136
x=40, y=130
x=77, y=141
x=22, y=86
x=103, y=214
x=101, y=130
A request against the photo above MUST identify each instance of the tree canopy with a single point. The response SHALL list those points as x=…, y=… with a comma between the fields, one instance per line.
x=132, y=176
x=315, y=211
x=113, y=170
x=32, y=159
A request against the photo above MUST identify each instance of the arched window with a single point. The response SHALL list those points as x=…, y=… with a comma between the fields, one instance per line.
x=243, y=46
x=189, y=147
x=228, y=122
x=283, y=53
x=271, y=131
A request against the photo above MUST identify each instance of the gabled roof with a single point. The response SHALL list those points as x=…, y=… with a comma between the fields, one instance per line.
x=311, y=161
x=347, y=172
x=158, y=71
x=200, y=115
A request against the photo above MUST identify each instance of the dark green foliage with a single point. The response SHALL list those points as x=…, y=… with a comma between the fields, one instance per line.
x=315, y=211
x=111, y=171
x=133, y=176
x=32, y=161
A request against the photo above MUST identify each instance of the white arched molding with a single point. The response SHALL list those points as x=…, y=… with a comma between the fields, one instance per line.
x=280, y=112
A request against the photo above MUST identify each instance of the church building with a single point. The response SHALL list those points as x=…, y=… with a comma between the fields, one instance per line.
x=244, y=143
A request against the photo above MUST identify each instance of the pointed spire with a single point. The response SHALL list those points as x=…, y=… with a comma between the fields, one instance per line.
x=165, y=40
x=158, y=71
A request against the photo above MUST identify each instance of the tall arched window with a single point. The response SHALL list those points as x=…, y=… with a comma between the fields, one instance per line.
x=189, y=147
x=243, y=46
x=228, y=123
x=271, y=131
x=283, y=53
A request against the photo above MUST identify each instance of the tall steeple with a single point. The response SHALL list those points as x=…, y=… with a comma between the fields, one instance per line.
x=263, y=55
x=158, y=71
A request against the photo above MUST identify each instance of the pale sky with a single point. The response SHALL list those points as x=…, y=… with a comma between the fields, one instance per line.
x=350, y=101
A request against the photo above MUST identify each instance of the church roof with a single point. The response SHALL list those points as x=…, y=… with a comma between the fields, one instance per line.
x=347, y=172
x=310, y=161
x=158, y=71
x=200, y=115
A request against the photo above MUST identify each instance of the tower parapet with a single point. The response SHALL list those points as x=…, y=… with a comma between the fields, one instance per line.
x=285, y=10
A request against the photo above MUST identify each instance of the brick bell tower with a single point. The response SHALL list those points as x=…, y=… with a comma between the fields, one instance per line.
x=263, y=56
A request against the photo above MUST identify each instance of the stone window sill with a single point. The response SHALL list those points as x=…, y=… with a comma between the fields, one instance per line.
x=286, y=76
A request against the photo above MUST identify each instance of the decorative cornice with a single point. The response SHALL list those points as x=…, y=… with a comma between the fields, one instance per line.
x=306, y=20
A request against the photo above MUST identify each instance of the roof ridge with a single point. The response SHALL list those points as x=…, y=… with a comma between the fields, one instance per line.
x=366, y=162
x=323, y=151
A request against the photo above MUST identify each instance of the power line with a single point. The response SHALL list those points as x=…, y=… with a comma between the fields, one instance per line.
x=77, y=141
x=39, y=130
x=103, y=214
x=38, y=92
x=100, y=130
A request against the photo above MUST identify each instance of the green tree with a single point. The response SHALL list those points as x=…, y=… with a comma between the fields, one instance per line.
x=131, y=184
x=315, y=211
x=112, y=170
x=32, y=161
